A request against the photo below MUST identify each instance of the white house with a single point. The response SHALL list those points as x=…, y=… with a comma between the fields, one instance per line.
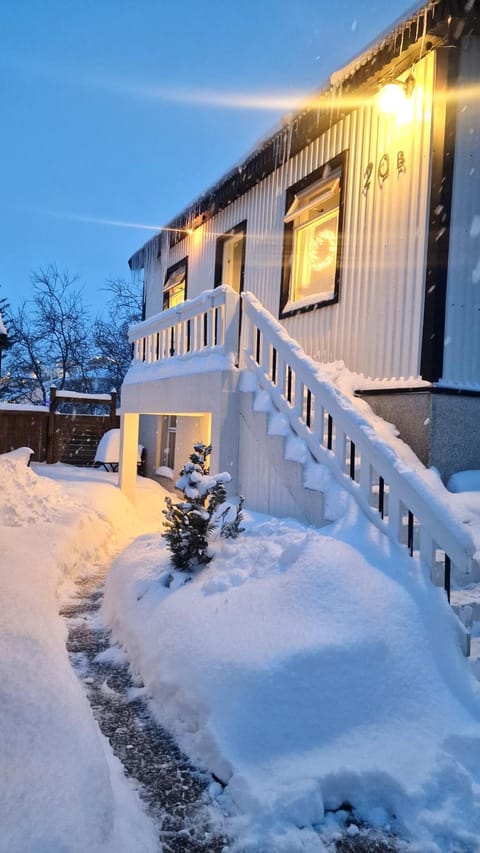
x=352, y=233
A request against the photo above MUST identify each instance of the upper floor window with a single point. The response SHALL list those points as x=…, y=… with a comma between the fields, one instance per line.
x=230, y=258
x=312, y=240
x=175, y=287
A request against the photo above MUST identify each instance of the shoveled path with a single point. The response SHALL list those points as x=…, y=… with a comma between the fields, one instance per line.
x=175, y=793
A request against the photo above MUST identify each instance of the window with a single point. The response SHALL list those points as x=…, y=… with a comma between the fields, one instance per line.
x=175, y=287
x=312, y=240
x=167, y=441
x=230, y=258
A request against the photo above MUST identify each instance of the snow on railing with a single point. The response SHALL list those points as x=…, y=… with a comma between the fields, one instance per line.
x=207, y=323
x=391, y=493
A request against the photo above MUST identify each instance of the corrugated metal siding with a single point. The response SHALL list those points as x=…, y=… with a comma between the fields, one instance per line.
x=376, y=325
x=462, y=323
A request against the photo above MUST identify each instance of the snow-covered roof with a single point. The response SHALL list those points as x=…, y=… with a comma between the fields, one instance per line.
x=422, y=28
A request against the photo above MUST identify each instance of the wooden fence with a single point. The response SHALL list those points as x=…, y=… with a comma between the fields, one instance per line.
x=58, y=437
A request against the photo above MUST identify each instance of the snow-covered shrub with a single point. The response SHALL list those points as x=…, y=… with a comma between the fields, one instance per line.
x=190, y=522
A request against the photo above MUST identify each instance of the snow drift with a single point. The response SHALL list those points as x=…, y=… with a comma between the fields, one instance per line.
x=306, y=669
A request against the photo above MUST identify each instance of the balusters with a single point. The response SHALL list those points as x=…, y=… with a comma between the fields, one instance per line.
x=299, y=392
x=341, y=448
x=220, y=326
x=165, y=342
x=181, y=338
x=366, y=479
x=395, y=516
x=280, y=375
x=427, y=548
x=319, y=422
x=265, y=352
x=198, y=331
x=150, y=349
x=209, y=325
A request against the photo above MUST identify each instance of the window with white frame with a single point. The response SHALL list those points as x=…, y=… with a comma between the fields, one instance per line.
x=312, y=241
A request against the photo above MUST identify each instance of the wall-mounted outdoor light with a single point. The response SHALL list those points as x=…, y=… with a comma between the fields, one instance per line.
x=395, y=98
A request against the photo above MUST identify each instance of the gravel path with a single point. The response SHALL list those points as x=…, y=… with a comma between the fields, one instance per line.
x=174, y=791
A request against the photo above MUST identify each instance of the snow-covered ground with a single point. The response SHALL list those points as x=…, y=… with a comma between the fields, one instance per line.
x=61, y=789
x=305, y=669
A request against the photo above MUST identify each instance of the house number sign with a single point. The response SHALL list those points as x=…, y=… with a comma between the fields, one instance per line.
x=382, y=171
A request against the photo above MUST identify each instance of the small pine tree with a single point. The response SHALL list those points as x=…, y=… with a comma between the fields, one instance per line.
x=189, y=523
x=187, y=527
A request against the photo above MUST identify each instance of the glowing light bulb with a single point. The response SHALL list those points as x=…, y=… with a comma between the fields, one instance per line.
x=392, y=98
x=396, y=99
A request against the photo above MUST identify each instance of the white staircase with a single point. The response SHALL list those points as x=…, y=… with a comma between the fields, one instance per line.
x=278, y=472
x=397, y=498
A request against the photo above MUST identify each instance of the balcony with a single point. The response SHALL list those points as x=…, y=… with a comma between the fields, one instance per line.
x=205, y=326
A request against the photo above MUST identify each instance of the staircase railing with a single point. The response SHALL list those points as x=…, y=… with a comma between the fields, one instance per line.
x=393, y=495
x=208, y=323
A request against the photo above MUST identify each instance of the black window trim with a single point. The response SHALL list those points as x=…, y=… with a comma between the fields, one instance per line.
x=170, y=271
x=240, y=228
x=338, y=163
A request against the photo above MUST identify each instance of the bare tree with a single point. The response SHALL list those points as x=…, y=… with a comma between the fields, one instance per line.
x=111, y=335
x=50, y=339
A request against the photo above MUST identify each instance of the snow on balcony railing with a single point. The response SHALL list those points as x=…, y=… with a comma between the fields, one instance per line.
x=208, y=323
x=396, y=497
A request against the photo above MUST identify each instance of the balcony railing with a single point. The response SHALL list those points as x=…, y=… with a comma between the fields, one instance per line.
x=200, y=326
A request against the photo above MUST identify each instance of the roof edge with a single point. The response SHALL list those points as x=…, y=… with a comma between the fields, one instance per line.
x=423, y=29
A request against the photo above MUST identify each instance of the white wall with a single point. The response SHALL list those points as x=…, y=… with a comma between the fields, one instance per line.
x=376, y=325
x=205, y=395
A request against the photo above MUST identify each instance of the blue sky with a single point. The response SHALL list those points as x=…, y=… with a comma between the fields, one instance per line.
x=126, y=111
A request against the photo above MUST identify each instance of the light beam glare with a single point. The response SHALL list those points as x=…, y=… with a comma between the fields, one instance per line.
x=279, y=101
x=98, y=220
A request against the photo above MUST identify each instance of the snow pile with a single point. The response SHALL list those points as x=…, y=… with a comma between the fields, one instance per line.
x=464, y=481
x=306, y=670
x=108, y=448
x=206, y=360
x=60, y=786
x=24, y=497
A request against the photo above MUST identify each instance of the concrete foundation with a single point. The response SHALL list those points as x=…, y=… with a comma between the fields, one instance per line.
x=441, y=426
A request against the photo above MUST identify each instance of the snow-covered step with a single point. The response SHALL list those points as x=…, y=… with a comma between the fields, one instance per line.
x=466, y=604
x=271, y=470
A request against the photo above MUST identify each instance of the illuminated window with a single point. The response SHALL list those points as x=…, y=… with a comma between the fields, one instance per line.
x=175, y=288
x=230, y=258
x=175, y=292
x=312, y=241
